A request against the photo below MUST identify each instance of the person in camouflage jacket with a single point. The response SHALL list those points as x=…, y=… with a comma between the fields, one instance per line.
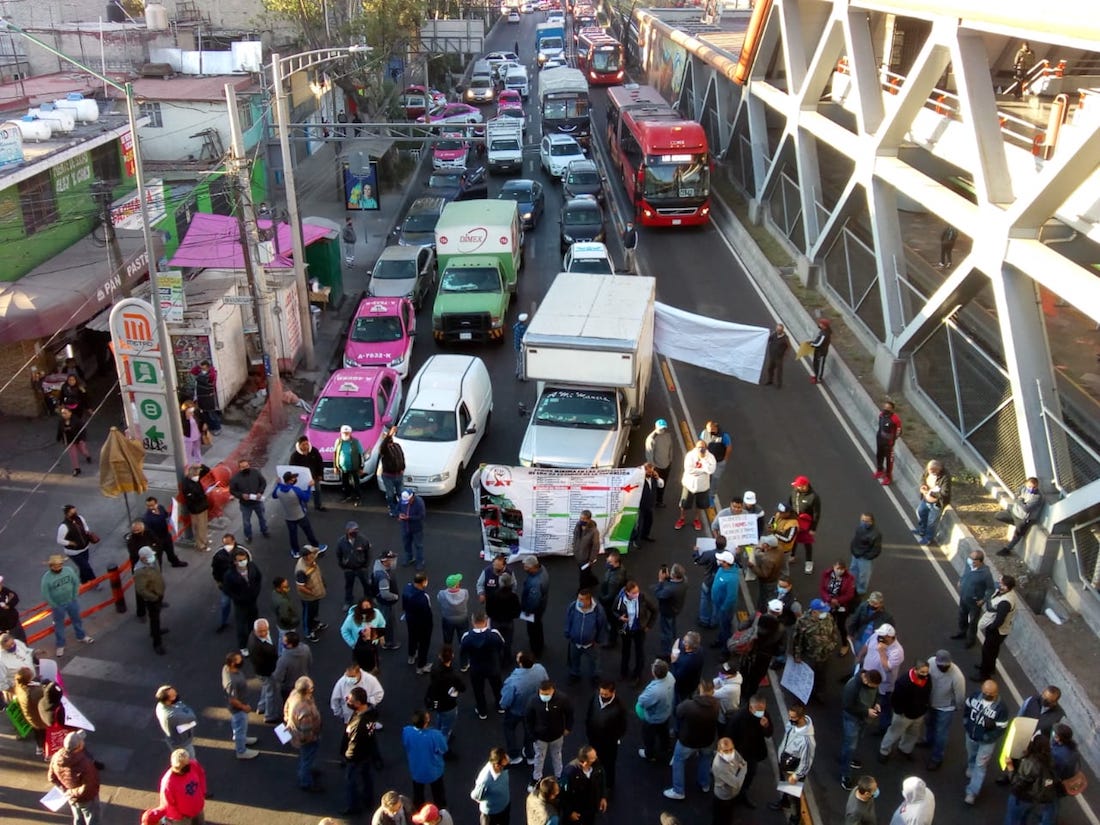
x=815, y=641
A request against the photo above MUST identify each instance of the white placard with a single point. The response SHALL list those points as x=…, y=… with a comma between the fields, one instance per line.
x=282, y=733
x=740, y=530
x=790, y=788
x=55, y=800
x=305, y=475
x=798, y=678
x=73, y=717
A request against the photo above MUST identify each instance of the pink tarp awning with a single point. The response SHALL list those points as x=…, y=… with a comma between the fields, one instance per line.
x=214, y=241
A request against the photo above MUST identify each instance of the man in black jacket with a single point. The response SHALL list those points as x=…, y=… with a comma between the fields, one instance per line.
x=198, y=506
x=418, y=619
x=391, y=470
x=635, y=611
x=778, y=344
x=671, y=593
x=482, y=648
x=353, y=557
x=264, y=655
x=549, y=718
x=359, y=750
x=306, y=455
x=750, y=729
x=441, y=698
x=697, y=728
x=614, y=577
x=241, y=584
x=910, y=702
x=220, y=564
x=605, y=726
x=646, y=506
x=157, y=521
x=583, y=788
x=687, y=667
x=866, y=546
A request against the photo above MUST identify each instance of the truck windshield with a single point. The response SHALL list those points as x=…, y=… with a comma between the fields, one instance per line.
x=580, y=409
x=505, y=146
x=427, y=425
x=470, y=279
x=550, y=44
x=375, y=330
x=331, y=414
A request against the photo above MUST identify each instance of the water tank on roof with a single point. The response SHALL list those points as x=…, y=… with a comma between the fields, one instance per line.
x=156, y=17
x=34, y=129
x=115, y=14
x=86, y=109
x=60, y=120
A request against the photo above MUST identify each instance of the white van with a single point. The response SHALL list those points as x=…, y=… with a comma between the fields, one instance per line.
x=517, y=81
x=447, y=412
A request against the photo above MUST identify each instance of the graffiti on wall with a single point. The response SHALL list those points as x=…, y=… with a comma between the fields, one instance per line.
x=189, y=350
x=666, y=63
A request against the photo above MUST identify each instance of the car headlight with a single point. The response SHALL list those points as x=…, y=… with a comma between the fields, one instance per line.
x=568, y=238
x=397, y=362
x=350, y=362
x=527, y=215
x=439, y=477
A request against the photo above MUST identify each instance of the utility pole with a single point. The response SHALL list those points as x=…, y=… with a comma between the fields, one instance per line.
x=250, y=249
x=102, y=192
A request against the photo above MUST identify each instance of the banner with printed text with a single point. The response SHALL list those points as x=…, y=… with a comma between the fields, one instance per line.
x=533, y=510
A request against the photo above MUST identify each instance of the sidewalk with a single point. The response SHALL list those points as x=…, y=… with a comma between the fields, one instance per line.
x=35, y=479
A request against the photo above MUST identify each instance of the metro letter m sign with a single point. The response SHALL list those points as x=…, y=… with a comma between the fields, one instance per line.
x=136, y=330
x=133, y=329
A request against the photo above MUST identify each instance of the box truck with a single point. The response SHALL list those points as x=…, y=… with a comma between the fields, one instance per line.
x=589, y=347
x=479, y=252
x=504, y=145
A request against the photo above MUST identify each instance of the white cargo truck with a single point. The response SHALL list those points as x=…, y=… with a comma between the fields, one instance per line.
x=590, y=348
x=504, y=145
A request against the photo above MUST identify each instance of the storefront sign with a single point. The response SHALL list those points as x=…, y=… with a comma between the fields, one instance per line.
x=129, y=273
x=126, y=212
x=127, y=141
x=170, y=292
x=71, y=172
x=11, y=145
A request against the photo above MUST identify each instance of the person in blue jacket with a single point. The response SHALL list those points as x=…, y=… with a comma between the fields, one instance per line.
x=585, y=623
x=424, y=749
x=723, y=592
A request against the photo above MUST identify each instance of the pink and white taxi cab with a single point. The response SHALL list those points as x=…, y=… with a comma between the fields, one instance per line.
x=382, y=334
x=449, y=152
x=367, y=399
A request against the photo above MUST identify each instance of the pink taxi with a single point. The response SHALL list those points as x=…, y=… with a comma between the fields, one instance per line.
x=449, y=152
x=367, y=399
x=382, y=334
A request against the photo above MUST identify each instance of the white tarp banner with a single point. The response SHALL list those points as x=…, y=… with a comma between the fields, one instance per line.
x=533, y=510
x=728, y=348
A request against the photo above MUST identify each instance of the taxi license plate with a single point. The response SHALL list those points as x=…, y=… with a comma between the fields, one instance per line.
x=465, y=336
x=676, y=221
x=330, y=474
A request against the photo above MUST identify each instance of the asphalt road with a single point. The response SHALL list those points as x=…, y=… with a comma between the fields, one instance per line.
x=777, y=434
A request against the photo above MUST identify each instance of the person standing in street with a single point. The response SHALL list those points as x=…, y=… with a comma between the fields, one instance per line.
x=635, y=611
x=605, y=726
x=385, y=586
x=9, y=613
x=294, y=501
x=728, y=768
x=947, y=246
x=492, y=790
x=60, y=587
x=975, y=586
x=411, y=514
x=586, y=550
x=445, y=685
x=417, y=605
x=820, y=345
x=306, y=455
x=630, y=247
x=643, y=527
x=235, y=687
x=206, y=394
x=796, y=756
x=353, y=557
x=838, y=590
x=1023, y=513
x=805, y=504
x=182, y=791
x=815, y=641
x=996, y=624
x=887, y=432
x=482, y=649
x=859, y=706
x=910, y=704
x=860, y=809
x=391, y=464
x=720, y=444
x=778, y=345
x=935, y=496
x=72, y=432
x=519, y=690
x=918, y=803
x=533, y=601
x=985, y=723
x=671, y=594
x=865, y=547
x=158, y=522
x=177, y=720
x=149, y=587
x=654, y=707
x=347, y=461
x=542, y=802
x=263, y=653
x=750, y=729
x=948, y=696
x=76, y=539
x=198, y=507
x=658, y=452
x=583, y=790
x=696, y=727
x=248, y=486
x=585, y=628
x=242, y=583
x=287, y=613
x=311, y=591
x=614, y=577
x=349, y=239
x=302, y=718
x=549, y=718
x=519, y=329
x=74, y=773
x=425, y=746
x=699, y=465
x=359, y=751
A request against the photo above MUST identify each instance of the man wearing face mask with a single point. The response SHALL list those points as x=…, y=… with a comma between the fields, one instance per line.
x=198, y=506
x=860, y=809
x=1023, y=513
x=242, y=584
x=1044, y=709
x=221, y=563
x=912, y=695
x=948, y=695
x=996, y=623
x=248, y=486
x=866, y=546
x=750, y=729
x=614, y=577
x=549, y=718
x=887, y=432
x=985, y=723
x=975, y=586
x=884, y=653
x=353, y=557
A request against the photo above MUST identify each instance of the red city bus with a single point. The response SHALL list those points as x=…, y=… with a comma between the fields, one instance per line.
x=600, y=57
x=662, y=157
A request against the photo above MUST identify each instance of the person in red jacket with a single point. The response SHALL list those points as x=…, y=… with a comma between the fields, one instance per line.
x=182, y=791
x=838, y=590
x=887, y=432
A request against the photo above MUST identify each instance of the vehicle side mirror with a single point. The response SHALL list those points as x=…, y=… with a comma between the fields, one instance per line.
x=370, y=273
x=303, y=418
x=471, y=429
x=522, y=410
x=387, y=420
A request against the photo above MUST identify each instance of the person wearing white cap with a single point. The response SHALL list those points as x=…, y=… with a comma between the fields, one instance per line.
x=884, y=653
x=347, y=460
x=658, y=452
x=519, y=329
x=411, y=514
x=723, y=592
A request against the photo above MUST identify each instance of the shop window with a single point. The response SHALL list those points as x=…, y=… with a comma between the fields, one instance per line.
x=152, y=111
x=106, y=163
x=36, y=196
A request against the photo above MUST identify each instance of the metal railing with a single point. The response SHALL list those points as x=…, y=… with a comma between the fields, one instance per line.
x=1086, y=546
x=1076, y=463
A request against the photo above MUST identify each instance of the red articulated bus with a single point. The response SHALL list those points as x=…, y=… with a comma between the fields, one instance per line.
x=600, y=57
x=663, y=158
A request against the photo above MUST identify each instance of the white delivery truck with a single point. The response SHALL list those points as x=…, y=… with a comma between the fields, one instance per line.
x=590, y=348
x=504, y=145
x=517, y=81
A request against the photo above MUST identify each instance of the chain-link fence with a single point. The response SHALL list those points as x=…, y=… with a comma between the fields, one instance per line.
x=1086, y=544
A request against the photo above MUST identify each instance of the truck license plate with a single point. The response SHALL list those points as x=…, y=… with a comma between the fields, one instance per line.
x=465, y=336
x=676, y=221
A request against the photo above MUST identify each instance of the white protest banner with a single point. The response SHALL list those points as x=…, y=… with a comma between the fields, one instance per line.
x=305, y=475
x=740, y=529
x=533, y=510
x=798, y=678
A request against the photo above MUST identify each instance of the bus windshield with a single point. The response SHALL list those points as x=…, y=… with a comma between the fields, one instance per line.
x=606, y=61
x=668, y=180
x=562, y=108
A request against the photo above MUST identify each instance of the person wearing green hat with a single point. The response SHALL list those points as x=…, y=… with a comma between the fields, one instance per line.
x=454, y=608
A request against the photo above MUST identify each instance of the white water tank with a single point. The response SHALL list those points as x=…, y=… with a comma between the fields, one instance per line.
x=33, y=129
x=156, y=17
x=86, y=109
x=60, y=120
